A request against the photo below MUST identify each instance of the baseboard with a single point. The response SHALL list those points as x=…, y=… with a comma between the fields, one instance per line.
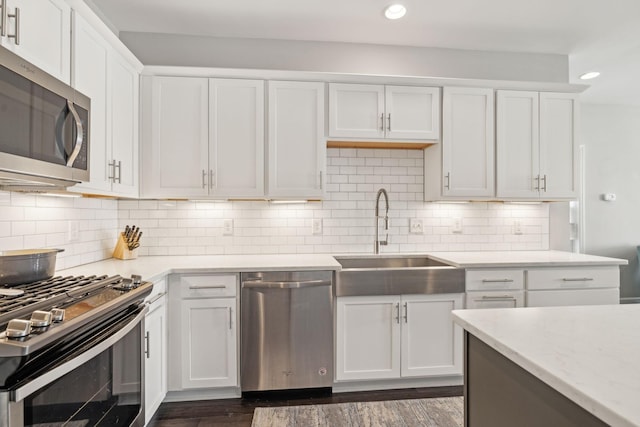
x=205, y=394
x=344, y=386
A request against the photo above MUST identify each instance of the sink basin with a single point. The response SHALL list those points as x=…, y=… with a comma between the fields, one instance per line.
x=396, y=275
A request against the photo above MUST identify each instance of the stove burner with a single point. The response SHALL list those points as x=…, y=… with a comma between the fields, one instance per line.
x=11, y=293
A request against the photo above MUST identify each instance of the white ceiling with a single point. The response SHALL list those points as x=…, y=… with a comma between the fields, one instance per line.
x=596, y=34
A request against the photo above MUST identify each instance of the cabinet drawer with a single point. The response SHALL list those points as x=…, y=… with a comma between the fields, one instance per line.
x=554, y=298
x=573, y=278
x=159, y=290
x=500, y=279
x=210, y=286
x=495, y=299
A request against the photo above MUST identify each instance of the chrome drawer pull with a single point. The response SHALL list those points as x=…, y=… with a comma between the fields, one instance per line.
x=499, y=298
x=156, y=298
x=577, y=279
x=208, y=287
x=497, y=280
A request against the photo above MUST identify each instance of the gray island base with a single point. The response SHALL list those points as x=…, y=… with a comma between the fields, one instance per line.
x=499, y=393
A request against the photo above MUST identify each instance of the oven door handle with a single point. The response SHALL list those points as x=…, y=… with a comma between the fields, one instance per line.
x=26, y=390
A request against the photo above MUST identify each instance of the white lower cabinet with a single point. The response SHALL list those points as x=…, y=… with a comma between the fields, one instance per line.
x=203, y=332
x=386, y=337
x=155, y=350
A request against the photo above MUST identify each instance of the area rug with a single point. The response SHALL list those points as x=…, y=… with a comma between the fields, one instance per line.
x=436, y=412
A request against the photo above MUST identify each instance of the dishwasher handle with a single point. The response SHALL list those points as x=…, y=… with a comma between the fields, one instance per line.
x=285, y=284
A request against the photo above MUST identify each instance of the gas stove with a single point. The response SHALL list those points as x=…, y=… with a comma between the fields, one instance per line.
x=35, y=314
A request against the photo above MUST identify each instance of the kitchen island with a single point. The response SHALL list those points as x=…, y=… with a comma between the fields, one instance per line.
x=552, y=366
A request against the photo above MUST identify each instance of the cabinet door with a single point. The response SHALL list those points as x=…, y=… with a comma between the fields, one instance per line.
x=175, y=146
x=517, y=144
x=297, y=148
x=44, y=35
x=155, y=367
x=356, y=111
x=90, y=76
x=467, y=142
x=431, y=342
x=367, y=338
x=124, y=126
x=236, y=133
x=558, y=145
x=412, y=112
x=209, y=343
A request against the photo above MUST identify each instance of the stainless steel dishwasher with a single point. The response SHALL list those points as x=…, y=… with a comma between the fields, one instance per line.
x=286, y=330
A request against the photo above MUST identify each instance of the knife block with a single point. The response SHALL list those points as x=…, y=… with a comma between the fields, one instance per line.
x=122, y=251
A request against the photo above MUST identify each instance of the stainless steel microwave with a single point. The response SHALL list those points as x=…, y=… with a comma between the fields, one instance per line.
x=44, y=129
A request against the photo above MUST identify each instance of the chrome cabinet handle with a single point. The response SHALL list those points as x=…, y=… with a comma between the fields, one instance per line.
x=537, y=180
x=79, y=132
x=382, y=122
x=208, y=287
x=212, y=177
x=112, y=167
x=16, y=34
x=147, y=347
x=204, y=177
x=119, y=166
x=577, y=279
x=230, y=318
x=497, y=280
x=3, y=18
x=544, y=179
x=321, y=180
x=498, y=298
x=406, y=313
x=398, y=313
x=448, y=178
x=156, y=298
x=389, y=123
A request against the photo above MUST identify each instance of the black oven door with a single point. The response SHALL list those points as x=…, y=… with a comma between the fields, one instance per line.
x=98, y=383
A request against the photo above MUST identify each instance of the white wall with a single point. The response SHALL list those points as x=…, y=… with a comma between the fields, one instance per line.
x=196, y=51
x=35, y=221
x=611, y=135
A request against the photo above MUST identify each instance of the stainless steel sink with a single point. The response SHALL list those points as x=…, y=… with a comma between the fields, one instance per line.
x=395, y=275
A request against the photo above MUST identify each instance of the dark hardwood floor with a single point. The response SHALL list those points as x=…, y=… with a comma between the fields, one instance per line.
x=239, y=412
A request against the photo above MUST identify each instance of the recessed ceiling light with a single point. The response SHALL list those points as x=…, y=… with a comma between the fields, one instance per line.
x=590, y=75
x=395, y=11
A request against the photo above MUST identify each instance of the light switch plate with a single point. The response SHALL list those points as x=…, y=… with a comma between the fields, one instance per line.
x=227, y=227
x=517, y=227
x=456, y=225
x=316, y=226
x=72, y=231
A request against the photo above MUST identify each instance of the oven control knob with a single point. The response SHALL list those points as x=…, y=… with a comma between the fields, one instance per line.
x=18, y=328
x=57, y=314
x=41, y=319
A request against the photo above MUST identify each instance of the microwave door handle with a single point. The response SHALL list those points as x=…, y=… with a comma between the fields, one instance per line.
x=79, y=134
x=60, y=121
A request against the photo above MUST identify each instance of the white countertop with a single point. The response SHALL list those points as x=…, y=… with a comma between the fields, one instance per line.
x=522, y=259
x=153, y=268
x=590, y=354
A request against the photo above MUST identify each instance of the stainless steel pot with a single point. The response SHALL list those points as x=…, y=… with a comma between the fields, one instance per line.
x=27, y=265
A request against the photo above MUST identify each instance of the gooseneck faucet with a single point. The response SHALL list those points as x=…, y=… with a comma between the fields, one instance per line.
x=378, y=242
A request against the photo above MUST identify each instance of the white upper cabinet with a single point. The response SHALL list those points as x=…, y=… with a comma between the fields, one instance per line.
x=296, y=145
x=40, y=32
x=111, y=81
x=203, y=137
x=236, y=137
x=384, y=112
x=175, y=137
x=462, y=167
x=536, y=145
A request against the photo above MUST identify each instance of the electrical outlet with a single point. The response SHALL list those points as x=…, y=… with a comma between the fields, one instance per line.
x=316, y=226
x=517, y=227
x=73, y=232
x=456, y=226
x=227, y=227
x=416, y=226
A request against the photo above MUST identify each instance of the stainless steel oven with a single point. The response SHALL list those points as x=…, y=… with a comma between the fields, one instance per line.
x=44, y=141
x=84, y=369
